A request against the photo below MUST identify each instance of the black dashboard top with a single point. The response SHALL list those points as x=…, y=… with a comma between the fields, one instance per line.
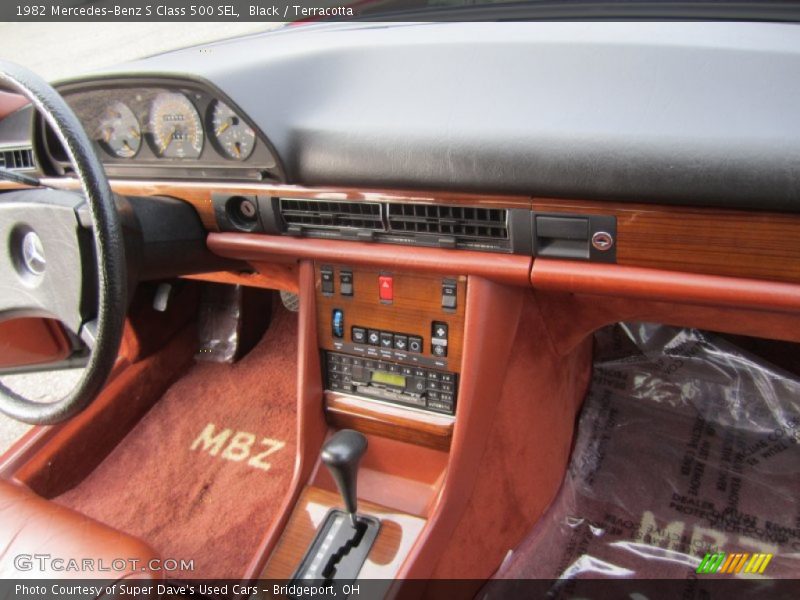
x=688, y=113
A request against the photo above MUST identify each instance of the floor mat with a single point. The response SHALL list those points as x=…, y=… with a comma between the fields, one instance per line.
x=202, y=475
x=687, y=455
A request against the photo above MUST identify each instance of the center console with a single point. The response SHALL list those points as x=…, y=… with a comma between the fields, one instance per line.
x=391, y=338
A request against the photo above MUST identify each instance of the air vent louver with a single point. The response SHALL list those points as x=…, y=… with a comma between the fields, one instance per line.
x=440, y=226
x=470, y=227
x=326, y=214
x=20, y=159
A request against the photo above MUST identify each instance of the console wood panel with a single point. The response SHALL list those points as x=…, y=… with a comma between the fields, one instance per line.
x=397, y=535
x=710, y=241
x=395, y=422
x=417, y=302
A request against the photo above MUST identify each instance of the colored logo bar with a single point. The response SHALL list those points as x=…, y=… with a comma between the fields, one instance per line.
x=722, y=562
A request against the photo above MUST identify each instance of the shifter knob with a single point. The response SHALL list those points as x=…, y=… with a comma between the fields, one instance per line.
x=341, y=454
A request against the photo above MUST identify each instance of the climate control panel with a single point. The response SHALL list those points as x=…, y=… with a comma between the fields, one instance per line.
x=391, y=336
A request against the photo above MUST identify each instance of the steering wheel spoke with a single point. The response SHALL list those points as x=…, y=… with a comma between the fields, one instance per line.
x=64, y=256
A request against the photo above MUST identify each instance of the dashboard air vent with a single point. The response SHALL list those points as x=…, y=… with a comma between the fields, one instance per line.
x=465, y=226
x=20, y=159
x=302, y=215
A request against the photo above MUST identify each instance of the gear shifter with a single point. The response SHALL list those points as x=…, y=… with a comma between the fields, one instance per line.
x=341, y=454
x=343, y=540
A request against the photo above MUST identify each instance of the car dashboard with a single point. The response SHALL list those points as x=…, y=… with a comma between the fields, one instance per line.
x=453, y=202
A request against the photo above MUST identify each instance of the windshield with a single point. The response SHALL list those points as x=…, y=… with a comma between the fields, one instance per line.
x=76, y=48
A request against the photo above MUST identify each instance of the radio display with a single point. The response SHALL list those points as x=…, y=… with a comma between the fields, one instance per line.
x=388, y=378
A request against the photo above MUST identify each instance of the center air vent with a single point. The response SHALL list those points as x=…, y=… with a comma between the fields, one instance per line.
x=431, y=225
x=18, y=160
x=467, y=227
x=300, y=215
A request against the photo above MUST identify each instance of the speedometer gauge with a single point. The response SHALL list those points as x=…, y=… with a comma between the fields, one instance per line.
x=176, y=127
x=235, y=138
x=118, y=131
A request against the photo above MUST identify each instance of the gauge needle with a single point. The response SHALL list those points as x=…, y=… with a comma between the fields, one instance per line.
x=237, y=149
x=127, y=145
x=223, y=127
x=107, y=133
x=134, y=133
x=168, y=142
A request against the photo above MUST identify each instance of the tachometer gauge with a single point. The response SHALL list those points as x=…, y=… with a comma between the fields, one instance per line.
x=118, y=131
x=235, y=138
x=176, y=127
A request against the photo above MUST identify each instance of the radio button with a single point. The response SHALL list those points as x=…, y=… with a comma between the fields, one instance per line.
x=419, y=372
x=448, y=378
x=416, y=385
x=433, y=385
x=374, y=337
x=415, y=344
x=434, y=375
x=408, y=371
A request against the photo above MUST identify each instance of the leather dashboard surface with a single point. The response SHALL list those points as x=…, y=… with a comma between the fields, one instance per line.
x=684, y=113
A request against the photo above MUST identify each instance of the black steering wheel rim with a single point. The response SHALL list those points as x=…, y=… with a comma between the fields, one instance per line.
x=109, y=252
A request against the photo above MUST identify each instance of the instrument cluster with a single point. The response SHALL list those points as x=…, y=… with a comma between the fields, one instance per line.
x=168, y=128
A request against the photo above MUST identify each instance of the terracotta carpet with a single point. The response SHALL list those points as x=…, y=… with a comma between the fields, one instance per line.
x=201, y=477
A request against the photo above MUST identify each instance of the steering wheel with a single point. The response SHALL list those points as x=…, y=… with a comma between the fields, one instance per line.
x=63, y=256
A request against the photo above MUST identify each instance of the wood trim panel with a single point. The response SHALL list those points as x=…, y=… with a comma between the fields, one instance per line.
x=653, y=284
x=395, y=422
x=502, y=268
x=398, y=533
x=698, y=240
x=268, y=275
x=417, y=302
x=198, y=194
x=311, y=426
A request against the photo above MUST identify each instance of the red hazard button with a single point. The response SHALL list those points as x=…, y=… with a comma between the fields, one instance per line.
x=386, y=287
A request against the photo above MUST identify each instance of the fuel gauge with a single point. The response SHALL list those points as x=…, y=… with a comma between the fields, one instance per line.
x=118, y=132
x=232, y=136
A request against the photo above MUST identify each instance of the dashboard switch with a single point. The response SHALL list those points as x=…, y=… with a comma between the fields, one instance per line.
x=387, y=339
x=449, y=288
x=439, y=339
x=346, y=283
x=326, y=274
x=337, y=323
x=373, y=337
x=386, y=288
x=358, y=335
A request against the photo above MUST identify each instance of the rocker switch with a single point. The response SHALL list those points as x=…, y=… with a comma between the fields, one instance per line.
x=449, y=294
x=386, y=288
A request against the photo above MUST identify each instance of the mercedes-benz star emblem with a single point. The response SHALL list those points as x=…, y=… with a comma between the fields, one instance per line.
x=33, y=253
